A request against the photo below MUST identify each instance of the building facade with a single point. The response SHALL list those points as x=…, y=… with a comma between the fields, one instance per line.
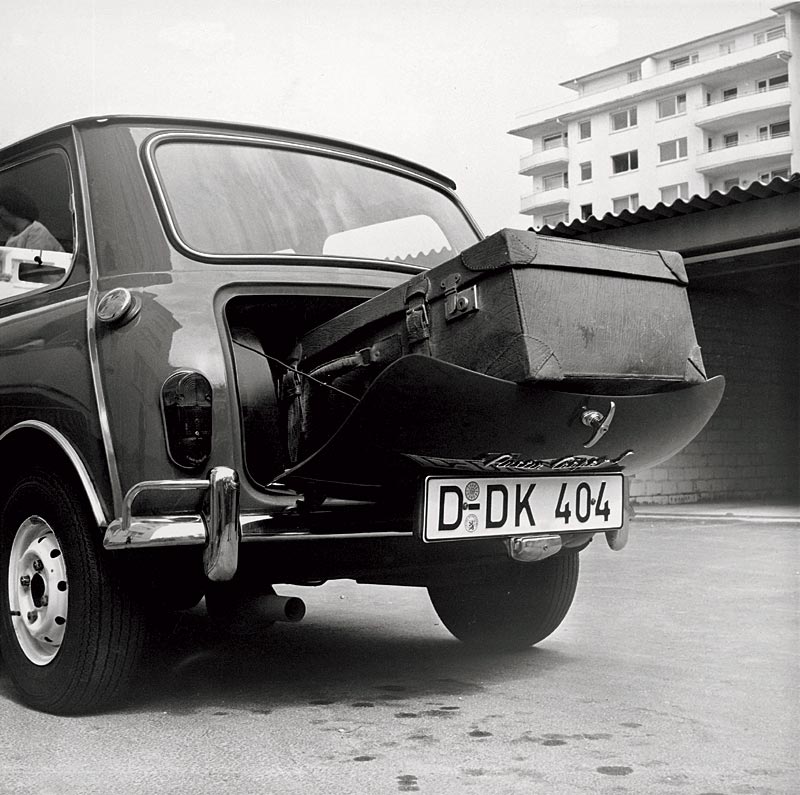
x=708, y=115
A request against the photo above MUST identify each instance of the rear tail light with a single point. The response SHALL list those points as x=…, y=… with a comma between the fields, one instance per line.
x=186, y=407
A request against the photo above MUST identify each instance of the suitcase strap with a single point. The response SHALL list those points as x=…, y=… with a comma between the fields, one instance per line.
x=418, y=328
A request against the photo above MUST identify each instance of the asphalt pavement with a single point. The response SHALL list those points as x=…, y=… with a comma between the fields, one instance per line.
x=676, y=671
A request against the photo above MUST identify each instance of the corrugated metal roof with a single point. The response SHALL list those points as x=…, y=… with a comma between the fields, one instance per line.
x=696, y=204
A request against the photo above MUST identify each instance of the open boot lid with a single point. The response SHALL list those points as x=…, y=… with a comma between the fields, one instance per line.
x=423, y=416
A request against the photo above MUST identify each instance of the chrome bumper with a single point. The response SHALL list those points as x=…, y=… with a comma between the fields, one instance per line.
x=216, y=526
x=220, y=527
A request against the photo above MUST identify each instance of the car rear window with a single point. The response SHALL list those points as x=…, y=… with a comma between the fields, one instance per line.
x=228, y=198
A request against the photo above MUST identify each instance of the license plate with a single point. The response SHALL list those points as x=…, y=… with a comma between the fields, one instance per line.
x=459, y=508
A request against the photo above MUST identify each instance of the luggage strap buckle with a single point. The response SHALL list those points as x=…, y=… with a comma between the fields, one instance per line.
x=417, y=323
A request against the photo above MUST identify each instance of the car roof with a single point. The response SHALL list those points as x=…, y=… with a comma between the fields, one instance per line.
x=180, y=123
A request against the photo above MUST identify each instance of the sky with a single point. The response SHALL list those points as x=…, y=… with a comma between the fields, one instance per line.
x=439, y=82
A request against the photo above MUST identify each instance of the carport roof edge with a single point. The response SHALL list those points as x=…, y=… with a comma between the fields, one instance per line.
x=715, y=200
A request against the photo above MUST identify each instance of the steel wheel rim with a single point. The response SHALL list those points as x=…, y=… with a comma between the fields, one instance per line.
x=37, y=590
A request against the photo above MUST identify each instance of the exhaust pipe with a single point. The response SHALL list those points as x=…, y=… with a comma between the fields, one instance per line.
x=272, y=607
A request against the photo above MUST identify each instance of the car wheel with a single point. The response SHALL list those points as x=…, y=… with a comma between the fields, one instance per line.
x=515, y=608
x=70, y=634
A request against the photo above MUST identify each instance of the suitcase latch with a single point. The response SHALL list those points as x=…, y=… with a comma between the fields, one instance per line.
x=457, y=304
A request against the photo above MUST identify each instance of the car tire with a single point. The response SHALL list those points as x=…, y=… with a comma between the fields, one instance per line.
x=513, y=608
x=70, y=633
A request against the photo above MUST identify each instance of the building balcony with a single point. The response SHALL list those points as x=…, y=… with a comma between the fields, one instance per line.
x=532, y=163
x=723, y=158
x=545, y=200
x=665, y=79
x=743, y=109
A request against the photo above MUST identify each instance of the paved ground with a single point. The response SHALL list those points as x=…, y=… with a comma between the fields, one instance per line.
x=675, y=672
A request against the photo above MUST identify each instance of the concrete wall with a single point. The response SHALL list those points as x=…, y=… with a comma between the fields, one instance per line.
x=744, y=289
x=747, y=325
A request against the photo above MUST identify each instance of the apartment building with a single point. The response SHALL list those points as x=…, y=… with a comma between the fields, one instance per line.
x=709, y=114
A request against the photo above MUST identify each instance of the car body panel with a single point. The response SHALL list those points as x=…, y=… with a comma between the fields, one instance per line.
x=98, y=384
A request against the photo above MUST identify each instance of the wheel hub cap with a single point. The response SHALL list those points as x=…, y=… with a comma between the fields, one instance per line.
x=37, y=590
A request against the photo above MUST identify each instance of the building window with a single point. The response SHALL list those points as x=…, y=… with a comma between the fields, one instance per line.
x=684, y=60
x=623, y=119
x=672, y=150
x=730, y=139
x=630, y=202
x=554, y=141
x=729, y=93
x=672, y=106
x=635, y=74
x=625, y=161
x=585, y=128
x=779, y=81
x=727, y=47
x=555, y=181
x=776, y=172
x=586, y=211
x=586, y=171
x=780, y=129
x=554, y=219
x=769, y=35
x=670, y=193
x=730, y=183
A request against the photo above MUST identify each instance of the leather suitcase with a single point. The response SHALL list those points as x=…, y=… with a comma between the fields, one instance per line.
x=523, y=308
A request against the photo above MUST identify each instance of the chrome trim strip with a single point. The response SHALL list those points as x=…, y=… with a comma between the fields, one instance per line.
x=256, y=527
x=39, y=310
x=74, y=458
x=276, y=142
x=298, y=535
x=91, y=338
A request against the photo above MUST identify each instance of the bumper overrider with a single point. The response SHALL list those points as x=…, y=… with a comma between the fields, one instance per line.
x=217, y=526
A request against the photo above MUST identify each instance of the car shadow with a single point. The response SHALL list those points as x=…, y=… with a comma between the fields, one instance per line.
x=193, y=665
x=291, y=665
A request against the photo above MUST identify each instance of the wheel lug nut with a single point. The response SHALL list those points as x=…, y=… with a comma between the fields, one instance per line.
x=32, y=614
x=25, y=581
x=38, y=565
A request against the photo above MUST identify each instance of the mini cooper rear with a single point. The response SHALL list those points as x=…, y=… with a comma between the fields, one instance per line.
x=238, y=357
